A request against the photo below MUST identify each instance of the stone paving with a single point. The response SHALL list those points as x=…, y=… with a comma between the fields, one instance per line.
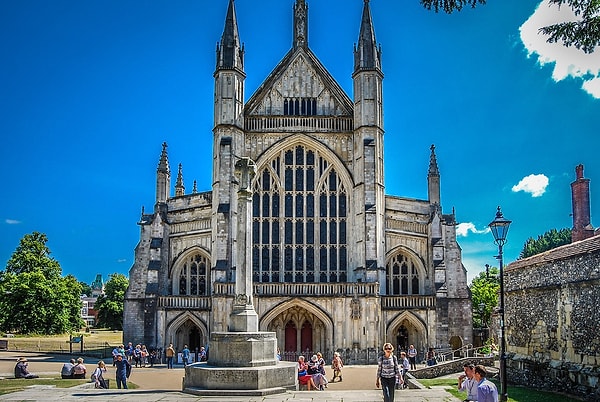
x=158, y=384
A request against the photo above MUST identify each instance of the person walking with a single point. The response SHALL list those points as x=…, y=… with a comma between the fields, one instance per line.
x=123, y=370
x=467, y=383
x=486, y=390
x=170, y=353
x=404, y=368
x=185, y=355
x=387, y=372
x=412, y=357
x=337, y=365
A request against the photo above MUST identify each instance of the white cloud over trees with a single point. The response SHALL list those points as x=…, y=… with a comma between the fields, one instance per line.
x=568, y=61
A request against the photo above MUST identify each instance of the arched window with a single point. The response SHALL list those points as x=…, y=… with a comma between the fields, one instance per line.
x=193, y=276
x=403, y=276
x=299, y=220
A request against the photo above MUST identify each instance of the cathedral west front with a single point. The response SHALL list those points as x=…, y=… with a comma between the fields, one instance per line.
x=336, y=263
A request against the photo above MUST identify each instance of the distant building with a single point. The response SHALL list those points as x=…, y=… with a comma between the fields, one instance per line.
x=88, y=312
x=337, y=263
x=97, y=286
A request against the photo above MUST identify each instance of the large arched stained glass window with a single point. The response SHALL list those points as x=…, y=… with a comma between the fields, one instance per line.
x=192, y=278
x=402, y=276
x=299, y=220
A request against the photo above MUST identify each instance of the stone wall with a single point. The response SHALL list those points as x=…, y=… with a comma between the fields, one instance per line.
x=552, y=319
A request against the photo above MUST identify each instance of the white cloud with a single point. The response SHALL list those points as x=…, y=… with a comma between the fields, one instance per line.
x=121, y=260
x=569, y=61
x=12, y=221
x=535, y=184
x=463, y=229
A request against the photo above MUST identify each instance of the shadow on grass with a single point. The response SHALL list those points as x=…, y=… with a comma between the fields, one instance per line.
x=515, y=393
x=10, y=385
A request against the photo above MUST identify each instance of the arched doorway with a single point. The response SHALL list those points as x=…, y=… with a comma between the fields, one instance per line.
x=299, y=326
x=408, y=329
x=402, y=339
x=188, y=334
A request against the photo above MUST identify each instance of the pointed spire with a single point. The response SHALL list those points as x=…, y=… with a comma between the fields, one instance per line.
x=163, y=177
x=163, y=163
x=433, y=179
x=300, y=24
x=433, y=166
x=179, y=187
x=195, y=188
x=230, y=54
x=367, y=55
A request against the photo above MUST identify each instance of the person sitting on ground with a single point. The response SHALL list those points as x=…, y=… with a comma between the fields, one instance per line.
x=98, y=376
x=21, y=370
x=67, y=369
x=303, y=377
x=336, y=365
x=313, y=369
x=79, y=369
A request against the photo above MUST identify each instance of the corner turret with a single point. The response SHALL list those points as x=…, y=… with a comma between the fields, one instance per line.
x=433, y=179
x=163, y=177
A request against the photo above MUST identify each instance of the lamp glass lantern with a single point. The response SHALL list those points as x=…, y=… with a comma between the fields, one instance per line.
x=499, y=227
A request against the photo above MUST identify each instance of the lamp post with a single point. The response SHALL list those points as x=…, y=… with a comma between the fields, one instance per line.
x=481, y=317
x=499, y=227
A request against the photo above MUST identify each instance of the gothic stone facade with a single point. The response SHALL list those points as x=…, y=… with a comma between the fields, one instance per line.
x=336, y=263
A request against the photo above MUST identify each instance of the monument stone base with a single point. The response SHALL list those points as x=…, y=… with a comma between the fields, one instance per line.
x=241, y=363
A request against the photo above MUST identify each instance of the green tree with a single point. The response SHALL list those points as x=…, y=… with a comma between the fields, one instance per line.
x=110, y=304
x=484, y=293
x=584, y=33
x=549, y=240
x=85, y=289
x=34, y=297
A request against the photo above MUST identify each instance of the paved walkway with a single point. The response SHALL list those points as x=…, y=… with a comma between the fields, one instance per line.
x=159, y=384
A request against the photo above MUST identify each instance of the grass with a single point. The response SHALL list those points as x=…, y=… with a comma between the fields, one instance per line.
x=97, y=342
x=10, y=385
x=515, y=393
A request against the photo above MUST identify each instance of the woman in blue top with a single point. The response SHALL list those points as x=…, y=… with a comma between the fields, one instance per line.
x=387, y=372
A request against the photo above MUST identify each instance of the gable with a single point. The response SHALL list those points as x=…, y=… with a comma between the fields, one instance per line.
x=299, y=85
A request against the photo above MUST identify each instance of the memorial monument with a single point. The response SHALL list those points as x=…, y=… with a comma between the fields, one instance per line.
x=242, y=361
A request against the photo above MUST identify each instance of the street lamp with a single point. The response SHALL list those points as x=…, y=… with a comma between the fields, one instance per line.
x=499, y=228
x=481, y=317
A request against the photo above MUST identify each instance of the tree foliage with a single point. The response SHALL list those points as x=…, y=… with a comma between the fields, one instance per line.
x=549, y=240
x=86, y=289
x=110, y=304
x=583, y=33
x=449, y=6
x=484, y=293
x=34, y=297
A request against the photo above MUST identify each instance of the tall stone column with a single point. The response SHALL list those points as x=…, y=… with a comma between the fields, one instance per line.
x=243, y=317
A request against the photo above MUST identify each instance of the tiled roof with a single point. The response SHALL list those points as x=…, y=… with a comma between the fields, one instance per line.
x=585, y=246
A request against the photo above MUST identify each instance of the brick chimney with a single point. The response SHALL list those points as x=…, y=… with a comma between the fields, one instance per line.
x=580, y=190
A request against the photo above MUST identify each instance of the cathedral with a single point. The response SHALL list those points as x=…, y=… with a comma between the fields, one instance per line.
x=336, y=263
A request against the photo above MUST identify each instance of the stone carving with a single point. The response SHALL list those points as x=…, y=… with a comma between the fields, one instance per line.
x=241, y=300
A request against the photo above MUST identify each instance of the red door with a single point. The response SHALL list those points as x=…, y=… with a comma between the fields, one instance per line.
x=306, y=337
x=291, y=337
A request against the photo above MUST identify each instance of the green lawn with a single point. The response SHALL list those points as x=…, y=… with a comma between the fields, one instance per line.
x=9, y=385
x=515, y=393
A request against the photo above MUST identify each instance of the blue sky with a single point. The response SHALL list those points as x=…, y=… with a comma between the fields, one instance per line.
x=90, y=89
